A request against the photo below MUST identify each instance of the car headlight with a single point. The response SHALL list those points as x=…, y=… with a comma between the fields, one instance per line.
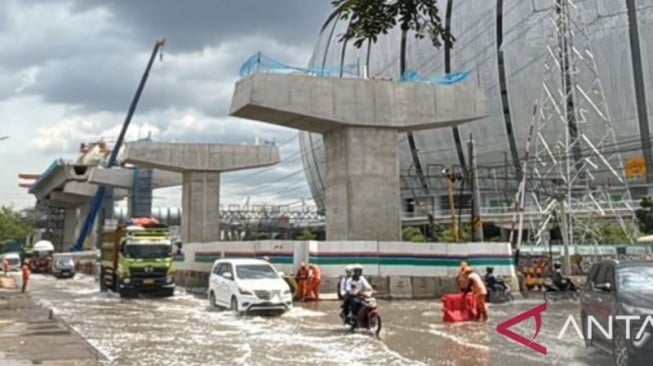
x=244, y=291
x=636, y=310
x=170, y=279
x=125, y=280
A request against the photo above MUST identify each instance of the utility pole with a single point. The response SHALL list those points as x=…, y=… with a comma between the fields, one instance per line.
x=450, y=180
x=566, y=265
x=477, y=225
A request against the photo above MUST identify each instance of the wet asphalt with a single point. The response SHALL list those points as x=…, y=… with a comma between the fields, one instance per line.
x=183, y=331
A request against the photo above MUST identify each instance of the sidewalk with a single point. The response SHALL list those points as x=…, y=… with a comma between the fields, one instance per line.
x=30, y=335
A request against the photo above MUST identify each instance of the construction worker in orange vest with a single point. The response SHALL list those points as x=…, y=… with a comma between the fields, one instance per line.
x=26, y=274
x=480, y=293
x=463, y=282
x=302, y=279
x=5, y=266
x=314, y=281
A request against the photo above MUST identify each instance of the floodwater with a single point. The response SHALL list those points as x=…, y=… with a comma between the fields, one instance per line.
x=183, y=331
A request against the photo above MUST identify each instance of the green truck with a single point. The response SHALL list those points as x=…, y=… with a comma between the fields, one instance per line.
x=137, y=258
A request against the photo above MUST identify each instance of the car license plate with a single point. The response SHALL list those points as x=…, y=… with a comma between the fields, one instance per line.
x=148, y=282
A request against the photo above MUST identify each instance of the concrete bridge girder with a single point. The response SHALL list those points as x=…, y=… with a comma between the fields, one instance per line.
x=360, y=120
x=124, y=178
x=201, y=166
x=58, y=177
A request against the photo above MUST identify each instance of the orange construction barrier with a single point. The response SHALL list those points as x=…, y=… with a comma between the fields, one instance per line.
x=458, y=308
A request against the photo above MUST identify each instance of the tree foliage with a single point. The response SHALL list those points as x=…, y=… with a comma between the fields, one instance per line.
x=645, y=215
x=412, y=234
x=368, y=19
x=15, y=225
x=307, y=235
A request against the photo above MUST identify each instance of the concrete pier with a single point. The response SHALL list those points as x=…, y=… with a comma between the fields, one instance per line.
x=360, y=120
x=201, y=166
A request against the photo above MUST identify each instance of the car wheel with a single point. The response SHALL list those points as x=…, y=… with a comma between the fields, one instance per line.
x=234, y=305
x=212, y=303
x=620, y=351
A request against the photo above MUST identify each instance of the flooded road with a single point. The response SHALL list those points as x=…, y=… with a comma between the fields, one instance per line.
x=183, y=331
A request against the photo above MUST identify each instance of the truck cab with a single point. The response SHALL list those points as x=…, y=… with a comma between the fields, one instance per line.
x=137, y=258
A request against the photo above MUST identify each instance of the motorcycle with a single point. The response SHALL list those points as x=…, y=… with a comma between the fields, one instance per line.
x=499, y=292
x=367, y=318
x=565, y=289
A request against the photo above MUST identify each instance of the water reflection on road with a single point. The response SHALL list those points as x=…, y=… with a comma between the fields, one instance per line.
x=183, y=331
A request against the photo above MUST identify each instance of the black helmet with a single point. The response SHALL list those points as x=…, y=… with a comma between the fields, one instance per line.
x=557, y=265
x=489, y=269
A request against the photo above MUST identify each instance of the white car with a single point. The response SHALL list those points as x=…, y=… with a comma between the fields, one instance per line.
x=248, y=285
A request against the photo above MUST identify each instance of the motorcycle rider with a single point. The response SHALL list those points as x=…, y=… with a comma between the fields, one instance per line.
x=356, y=287
x=342, y=291
x=562, y=283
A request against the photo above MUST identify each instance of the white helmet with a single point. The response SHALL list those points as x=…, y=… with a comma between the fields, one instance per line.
x=357, y=267
x=348, y=270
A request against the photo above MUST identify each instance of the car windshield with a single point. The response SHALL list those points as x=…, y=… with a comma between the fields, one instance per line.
x=636, y=278
x=256, y=272
x=65, y=263
x=147, y=251
x=13, y=261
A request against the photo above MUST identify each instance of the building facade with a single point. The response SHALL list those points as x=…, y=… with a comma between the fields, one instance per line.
x=504, y=44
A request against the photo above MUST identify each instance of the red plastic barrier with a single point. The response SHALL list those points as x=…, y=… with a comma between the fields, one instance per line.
x=458, y=308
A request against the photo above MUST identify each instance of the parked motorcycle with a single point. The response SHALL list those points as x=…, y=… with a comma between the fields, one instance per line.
x=563, y=289
x=367, y=318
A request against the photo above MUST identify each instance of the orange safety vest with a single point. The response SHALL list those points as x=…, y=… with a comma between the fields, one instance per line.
x=315, y=273
x=302, y=273
x=26, y=272
x=478, y=287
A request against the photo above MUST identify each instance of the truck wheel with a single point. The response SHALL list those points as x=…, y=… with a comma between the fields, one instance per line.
x=168, y=292
x=103, y=284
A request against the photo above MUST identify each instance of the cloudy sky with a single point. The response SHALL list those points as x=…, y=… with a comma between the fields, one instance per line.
x=69, y=69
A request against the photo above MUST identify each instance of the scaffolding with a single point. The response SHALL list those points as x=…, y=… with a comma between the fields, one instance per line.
x=574, y=171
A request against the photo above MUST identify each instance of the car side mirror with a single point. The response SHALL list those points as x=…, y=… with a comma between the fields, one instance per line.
x=228, y=275
x=606, y=286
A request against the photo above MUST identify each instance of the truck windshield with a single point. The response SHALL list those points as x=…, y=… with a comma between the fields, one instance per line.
x=636, y=278
x=147, y=251
x=13, y=261
x=256, y=272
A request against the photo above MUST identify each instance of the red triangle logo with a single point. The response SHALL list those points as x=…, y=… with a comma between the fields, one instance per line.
x=536, y=313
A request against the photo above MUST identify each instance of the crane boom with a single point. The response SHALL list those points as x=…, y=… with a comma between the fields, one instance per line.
x=98, y=200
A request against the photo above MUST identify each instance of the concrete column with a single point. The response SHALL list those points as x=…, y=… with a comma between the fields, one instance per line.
x=201, y=207
x=69, y=226
x=81, y=218
x=360, y=120
x=362, y=186
x=200, y=166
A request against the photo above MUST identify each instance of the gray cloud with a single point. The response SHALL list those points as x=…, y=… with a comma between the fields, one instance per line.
x=69, y=69
x=193, y=25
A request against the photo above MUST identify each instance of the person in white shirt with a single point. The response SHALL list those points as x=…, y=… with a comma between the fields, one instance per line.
x=356, y=286
x=342, y=292
x=342, y=285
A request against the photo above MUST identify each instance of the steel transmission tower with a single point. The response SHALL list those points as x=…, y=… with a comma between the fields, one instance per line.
x=574, y=173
